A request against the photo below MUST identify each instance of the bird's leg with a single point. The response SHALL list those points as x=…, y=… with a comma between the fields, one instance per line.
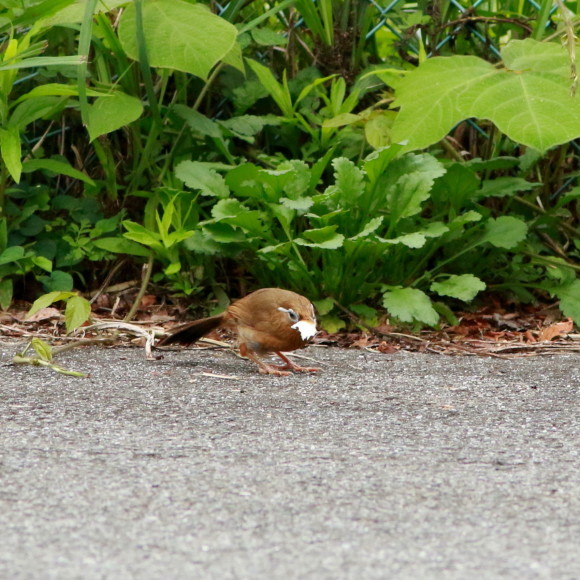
x=265, y=369
x=294, y=367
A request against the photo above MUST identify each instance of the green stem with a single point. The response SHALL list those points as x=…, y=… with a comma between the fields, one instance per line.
x=147, y=275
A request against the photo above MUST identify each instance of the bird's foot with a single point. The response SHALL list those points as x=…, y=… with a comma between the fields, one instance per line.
x=288, y=364
x=273, y=370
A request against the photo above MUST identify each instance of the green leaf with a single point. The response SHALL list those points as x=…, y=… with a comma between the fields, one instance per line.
x=367, y=314
x=6, y=293
x=321, y=238
x=332, y=323
x=111, y=113
x=11, y=151
x=349, y=182
x=12, y=254
x=341, y=120
x=48, y=299
x=505, y=232
x=42, y=349
x=140, y=234
x=172, y=269
x=179, y=36
x=531, y=105
x=58, y=167
x=78, y=310
x=246, y=126
x=58, y=281
x=197, y=175
x=502, y=186
x=569, y=296
x=301, y=205
x=413, y=240
x=42, y=262
x=199, y=122
x=409, y=182
x=376, y=163
x=378, y=129
x=279, y=92
x=410, y=305
x=267, y=37
x=464, y=287
x=370, y=228
x=121, y=246
x=323, y=306
x=31, y=110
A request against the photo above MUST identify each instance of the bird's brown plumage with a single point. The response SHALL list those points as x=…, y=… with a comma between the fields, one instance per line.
x=267, y=320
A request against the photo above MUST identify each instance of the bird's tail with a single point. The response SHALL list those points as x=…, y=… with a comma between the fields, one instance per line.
x=193, y=331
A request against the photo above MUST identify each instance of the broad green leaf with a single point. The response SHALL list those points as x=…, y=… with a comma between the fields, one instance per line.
x=226, y=208
x=378, y=129
x=505, y=232
x=456, y=187
x=301, y=205
x=428, y=98
x=367, y=314
x=197, y=175
x=349, y=182
x=246, y=126
x=198, y=122
x=48, y=299
x=58, y=167
x=121, y=246
x=172, y=269
x=277, y=91
x=464, y=287
x=413, y=240
x=267, y=37
x=11, y=151
x=58, y=281
x=223, y=233
x=326, y=237
x=408, y=183
x=6, y=293
x=569, y=296
x=12, y=254
x=531, y=105
x=42, y=262
x=111, y=113
x=323, y=306
x=332, y=323
x=502, y=186
x=410, y=305
x=77, y=312
x=179, y=36
x=377, y=162
x=370, y=228
x=531, y=55
x=31, y=110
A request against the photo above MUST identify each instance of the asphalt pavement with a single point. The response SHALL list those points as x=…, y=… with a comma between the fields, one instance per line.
x=381, y=466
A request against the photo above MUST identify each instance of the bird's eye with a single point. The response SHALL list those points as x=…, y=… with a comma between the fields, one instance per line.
x=291, y=313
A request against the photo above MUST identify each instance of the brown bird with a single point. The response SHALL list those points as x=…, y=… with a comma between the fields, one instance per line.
x=267, y=320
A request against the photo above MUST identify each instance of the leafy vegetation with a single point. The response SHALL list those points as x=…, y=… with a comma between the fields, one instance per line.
x=282, y=142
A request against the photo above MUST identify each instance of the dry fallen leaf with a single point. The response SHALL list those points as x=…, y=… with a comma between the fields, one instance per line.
x=44, y=314
x=556, y=329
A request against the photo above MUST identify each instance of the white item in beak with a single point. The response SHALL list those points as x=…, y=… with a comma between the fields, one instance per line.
x=306, y=329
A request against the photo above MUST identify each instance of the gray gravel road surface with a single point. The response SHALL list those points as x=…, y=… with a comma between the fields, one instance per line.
x=382, y=466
